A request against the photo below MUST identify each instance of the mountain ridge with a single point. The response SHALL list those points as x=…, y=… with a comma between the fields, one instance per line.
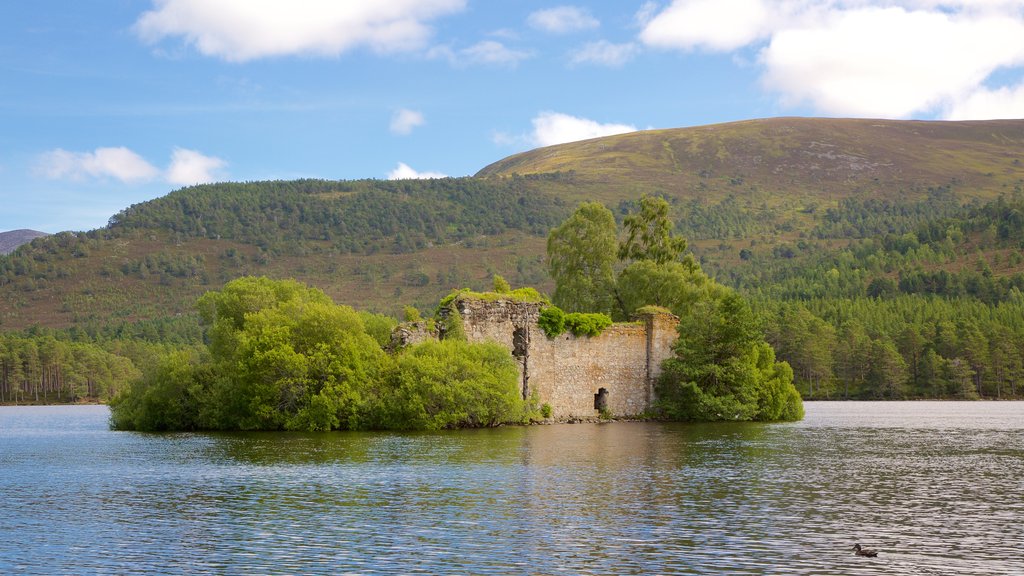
x=12, y=239
x=844, y=156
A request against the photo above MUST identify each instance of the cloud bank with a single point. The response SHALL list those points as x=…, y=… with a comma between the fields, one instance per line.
x=242, y=30
x=884, y=58
x=117, y=163
x=187, y=167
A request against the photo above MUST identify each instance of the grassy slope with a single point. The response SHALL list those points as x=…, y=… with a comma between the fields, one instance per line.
x=782, y=165
x=787, y=158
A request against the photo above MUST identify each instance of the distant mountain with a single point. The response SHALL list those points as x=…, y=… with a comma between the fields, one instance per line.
x=9, y=241
x=758, y=200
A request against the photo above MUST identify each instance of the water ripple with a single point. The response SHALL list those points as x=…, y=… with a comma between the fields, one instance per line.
x=935, y=486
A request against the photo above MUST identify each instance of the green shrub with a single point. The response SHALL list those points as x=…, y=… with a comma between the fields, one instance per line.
x=451, y=384
x=581, y=324
x=411, y=314
x=501, y=286
x=453, y=328
x=552, y=321
x=545, y=410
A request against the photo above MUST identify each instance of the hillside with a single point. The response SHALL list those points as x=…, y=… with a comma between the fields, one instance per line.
x=886, y=259
x=818, y=158
x=760, y=201
x=9, y=241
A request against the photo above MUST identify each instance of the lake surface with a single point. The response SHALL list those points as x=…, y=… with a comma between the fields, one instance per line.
x=937, y=487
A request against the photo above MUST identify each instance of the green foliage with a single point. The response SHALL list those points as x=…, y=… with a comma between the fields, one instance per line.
x=284, y=357
x=45, y=367
x=587, y=324
x=545, y=410
x=453, y=328
x=363, y=216
x=676, y=286
x=501, y=285
x=450, y=384
x=167, y=397
x=581, y=256
x=723, y=370
x=378, y=326
x=649, y=234
x=411, y=314
x=552, y=321
x=524, y=294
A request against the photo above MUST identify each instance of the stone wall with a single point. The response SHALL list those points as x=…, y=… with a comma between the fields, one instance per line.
x=567, y=371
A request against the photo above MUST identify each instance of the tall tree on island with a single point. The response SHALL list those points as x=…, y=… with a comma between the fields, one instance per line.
x=723, y=368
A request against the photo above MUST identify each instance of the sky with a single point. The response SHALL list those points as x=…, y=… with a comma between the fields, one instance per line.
x=108, y=103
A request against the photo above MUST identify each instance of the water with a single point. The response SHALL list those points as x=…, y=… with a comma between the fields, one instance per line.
x=938, y=488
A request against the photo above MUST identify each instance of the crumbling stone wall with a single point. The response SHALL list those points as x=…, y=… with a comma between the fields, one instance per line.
x=567, y=371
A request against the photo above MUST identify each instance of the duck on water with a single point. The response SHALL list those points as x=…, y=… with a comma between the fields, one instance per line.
x=864, y=551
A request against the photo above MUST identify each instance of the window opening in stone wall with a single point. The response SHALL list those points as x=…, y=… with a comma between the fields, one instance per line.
x=519, y=342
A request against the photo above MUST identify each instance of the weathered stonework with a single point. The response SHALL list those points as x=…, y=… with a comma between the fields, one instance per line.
x=410, y=333
x=567, y=372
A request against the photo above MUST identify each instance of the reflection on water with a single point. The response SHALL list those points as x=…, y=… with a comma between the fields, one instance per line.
x=937, y=487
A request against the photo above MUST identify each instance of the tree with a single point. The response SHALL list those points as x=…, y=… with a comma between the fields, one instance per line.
x=887, y=371
x=673, y=285
x=581, y=256
x=723, y=369
x=649, y=234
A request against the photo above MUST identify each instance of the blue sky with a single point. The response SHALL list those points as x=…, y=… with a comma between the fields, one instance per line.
x=108, y=103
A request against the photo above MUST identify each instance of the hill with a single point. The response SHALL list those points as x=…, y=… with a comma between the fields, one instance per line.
x=819, y=158
x=756, y=199
x=9, y=241
x=886, y=258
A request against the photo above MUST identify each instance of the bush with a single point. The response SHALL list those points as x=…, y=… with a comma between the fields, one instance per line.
x=581, y=324
x=451, y=384
x=552, y=321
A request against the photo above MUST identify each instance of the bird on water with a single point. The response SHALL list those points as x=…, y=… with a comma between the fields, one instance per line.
x=864, y=551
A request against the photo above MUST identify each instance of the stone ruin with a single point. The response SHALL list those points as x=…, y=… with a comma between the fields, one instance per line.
x=575, y=375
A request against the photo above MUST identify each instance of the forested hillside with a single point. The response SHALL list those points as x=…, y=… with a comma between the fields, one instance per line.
x=884, y=257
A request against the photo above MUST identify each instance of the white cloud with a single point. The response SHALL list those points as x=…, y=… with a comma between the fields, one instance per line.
x=551, y=128
x=118, y=163
x=985, y=104
x=883, y=58
x=890, y=62
x=604, y=53
x=491, y=52
x=719, y=25
x=404, y=121
x=562, y=20
x=405, y=172
x=241, y=30
x=186, y=167
x=189, y=167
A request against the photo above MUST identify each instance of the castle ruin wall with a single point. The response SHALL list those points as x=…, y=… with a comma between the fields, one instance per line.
x=567, y=371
